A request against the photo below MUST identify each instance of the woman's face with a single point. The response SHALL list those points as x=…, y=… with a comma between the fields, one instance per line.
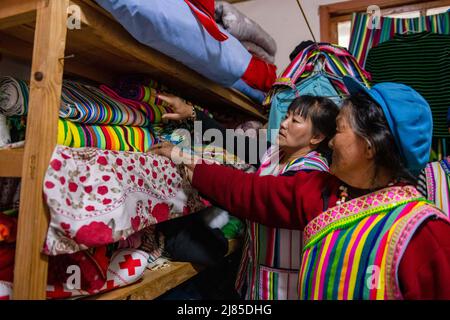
x=295, y=132
x=350, y=151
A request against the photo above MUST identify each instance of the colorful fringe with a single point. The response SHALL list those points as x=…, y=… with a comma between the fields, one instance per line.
x=336, y=62
x=362, y=38
x=149, y=104
x=118, y=138
x=86, y=104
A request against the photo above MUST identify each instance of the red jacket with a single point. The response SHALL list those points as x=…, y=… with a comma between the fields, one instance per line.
x=291, y=202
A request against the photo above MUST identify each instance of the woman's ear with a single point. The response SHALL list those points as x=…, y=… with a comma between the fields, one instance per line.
x=317, y=139
x=370, y=151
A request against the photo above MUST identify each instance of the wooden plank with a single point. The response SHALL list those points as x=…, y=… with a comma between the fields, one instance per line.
x=12, y=8
x=325, y=31
x=348, y=7
x=15, y=43
x=154, y=283
x=17, y=20
x=11, y=161
x=30, y=271
x=101, y=31
x=422, y=7
x=157, y=282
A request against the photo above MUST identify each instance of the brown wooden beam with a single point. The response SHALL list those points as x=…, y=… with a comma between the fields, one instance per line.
x=348, y=7
x=11, y=8
x=30, y=270
x=11, y=161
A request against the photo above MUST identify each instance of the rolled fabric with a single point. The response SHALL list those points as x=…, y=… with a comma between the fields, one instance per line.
x=89, y=105
x=148, y=103
x=5, y=136
x=117, y=138
x=254, y=94
x=13, y=97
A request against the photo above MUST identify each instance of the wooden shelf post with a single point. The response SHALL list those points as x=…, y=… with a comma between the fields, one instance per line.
x=30, y=271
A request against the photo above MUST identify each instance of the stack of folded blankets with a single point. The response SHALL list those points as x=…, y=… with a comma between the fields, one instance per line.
x=187, y=32
x=257, y=41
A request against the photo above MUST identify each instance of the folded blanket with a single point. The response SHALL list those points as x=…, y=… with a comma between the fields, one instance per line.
x=258, y=51
x=97, y=197
x=256, y=95
x=243, y=28
x=13, y=97
x=89, y=105
x=119, y=138
x=170, y=27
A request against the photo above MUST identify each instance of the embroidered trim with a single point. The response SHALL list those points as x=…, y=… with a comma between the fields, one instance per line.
x=399, y=241
x=342, y=215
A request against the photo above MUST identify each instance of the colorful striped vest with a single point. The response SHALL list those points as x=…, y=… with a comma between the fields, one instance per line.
x=270, y=260
x=353, y=251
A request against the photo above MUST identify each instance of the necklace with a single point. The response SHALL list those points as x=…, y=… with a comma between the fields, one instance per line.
x=344, y=192
x=343, y=195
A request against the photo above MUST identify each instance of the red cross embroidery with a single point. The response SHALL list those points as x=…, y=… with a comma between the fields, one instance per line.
x=58, y=293
x=130, y=264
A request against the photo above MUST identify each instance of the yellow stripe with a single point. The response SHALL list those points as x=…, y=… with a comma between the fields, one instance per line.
x=439, y=201
x=320, y=266
x=75, y=140
x=305, y=264
x=351, y=289
x=345, y=262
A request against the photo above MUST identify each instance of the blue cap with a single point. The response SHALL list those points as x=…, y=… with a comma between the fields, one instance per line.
x=408, y=115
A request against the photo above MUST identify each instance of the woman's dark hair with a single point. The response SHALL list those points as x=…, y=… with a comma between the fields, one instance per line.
x=323, y=113
x=368, y=121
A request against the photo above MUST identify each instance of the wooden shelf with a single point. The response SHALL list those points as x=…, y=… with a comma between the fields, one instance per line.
x=157, y=282
x=36, y=32
x=104, y=50
x=11, y=161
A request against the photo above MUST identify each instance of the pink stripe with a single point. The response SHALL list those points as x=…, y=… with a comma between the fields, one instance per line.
x=352, y=254
x=381, y=248
x=325, y=263
x=313, y=287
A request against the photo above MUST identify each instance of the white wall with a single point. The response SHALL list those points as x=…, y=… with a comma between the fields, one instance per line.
x=283, y=20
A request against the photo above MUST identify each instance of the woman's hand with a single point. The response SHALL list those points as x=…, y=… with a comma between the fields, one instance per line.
x=181, y=110
x=164, y=149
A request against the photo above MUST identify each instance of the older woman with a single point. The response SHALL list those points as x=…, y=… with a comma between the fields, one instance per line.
x=270, y=262
x=369, y=234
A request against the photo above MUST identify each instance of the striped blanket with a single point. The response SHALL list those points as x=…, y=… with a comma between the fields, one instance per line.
x=363, y=38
